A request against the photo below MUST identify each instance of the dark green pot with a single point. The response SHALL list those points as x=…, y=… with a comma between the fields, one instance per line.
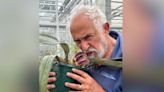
x=61, y=69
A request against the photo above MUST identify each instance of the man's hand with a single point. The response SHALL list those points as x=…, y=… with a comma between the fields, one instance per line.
x=87, y=83
x=51, y=79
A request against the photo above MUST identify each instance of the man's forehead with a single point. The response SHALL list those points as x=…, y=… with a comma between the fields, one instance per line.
x=80, y=17
x=81, y=35
x=80, y=23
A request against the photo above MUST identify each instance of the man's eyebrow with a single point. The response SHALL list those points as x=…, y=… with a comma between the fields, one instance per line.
x=88, y=35
x=84, y=37
x=77, y=40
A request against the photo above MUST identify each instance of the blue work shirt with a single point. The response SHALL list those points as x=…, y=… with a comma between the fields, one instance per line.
x=110, y=78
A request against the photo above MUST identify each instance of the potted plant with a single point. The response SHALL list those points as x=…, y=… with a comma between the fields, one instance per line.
x=63, y=65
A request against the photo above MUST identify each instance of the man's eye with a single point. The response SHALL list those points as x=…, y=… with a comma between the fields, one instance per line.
x=89, y=37
x=77, y=41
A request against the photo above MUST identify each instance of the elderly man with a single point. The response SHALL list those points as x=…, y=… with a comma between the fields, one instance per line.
x=90, y=31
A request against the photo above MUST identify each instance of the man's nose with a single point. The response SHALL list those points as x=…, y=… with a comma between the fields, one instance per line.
x=84, y=45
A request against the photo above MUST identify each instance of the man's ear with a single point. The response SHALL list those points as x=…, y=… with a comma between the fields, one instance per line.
x=106, y=27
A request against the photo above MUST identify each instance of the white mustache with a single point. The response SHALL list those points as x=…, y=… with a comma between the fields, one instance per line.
x=99, y=54
x=92, y=50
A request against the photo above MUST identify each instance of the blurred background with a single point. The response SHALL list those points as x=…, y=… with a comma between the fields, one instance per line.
x=143, y=47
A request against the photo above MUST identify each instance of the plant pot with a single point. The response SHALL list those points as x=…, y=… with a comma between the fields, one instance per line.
x=61, y=69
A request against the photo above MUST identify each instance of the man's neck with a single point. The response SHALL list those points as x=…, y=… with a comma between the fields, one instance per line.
x=111, y=44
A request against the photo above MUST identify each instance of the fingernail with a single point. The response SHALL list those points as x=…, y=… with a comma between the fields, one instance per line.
x=54, y=79
x=68, y=73
x=53, y=86
x=74, y=69
x=53, y=73
x=66, y=83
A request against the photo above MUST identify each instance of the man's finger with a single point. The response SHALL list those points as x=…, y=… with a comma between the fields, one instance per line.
x=73, y=86
x=76, y=77
x=50, y=86
x=80, y=72
x=51, y=79
x=52, y=74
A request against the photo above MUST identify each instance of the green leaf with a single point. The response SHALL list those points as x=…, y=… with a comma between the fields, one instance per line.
x=107, y=62
x=44, y=69
x=66, y=51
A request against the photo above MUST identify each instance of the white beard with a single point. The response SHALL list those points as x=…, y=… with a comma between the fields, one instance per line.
x=104, y=47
